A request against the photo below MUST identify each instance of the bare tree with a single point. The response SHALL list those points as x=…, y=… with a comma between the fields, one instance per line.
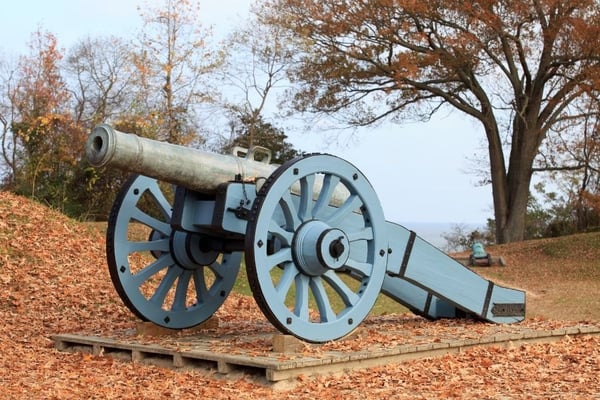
x=173, y=61
x=254, y=71
x=8, y=113
x=101, y=79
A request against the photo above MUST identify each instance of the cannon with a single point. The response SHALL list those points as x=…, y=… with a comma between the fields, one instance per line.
x=478, y=256
x=317, y=248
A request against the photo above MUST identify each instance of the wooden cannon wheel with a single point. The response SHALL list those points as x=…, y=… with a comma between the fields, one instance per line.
x=316, y=267
x=149, y=260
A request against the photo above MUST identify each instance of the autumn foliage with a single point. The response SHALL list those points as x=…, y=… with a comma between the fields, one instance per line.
x=526, y=72
x=520, y=69
x=47, y=137
x=54, y=280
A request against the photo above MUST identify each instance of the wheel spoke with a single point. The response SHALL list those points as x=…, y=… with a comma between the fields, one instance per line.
x=183, y=282
x=200, y=286
x=280, y=257
x=363, y=234
x=218, y=272
x=349, y=205
x=347, y=295
x=287, y=279
x=363, y=268
x=282, y=234
x=322, y=300
x=217, y=269
x=142, y=217
x=152, y=269
x=307, y=185
x=159, y=199
x=301, y=306
x=165, y=285
x=289, y=211
x=329, y=184
x=161, y=245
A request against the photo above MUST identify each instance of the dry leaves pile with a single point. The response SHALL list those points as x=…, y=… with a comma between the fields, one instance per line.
x=53, y=279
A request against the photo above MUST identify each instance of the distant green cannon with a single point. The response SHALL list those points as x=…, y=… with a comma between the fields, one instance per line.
x=317, y=248
x=479, y=257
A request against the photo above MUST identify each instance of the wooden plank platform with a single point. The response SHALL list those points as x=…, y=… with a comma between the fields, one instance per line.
x=253, y=354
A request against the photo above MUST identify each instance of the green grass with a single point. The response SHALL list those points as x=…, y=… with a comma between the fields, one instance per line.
x=383, y=305
x=560, y=275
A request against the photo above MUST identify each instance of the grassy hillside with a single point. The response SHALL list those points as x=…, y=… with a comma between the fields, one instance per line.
x=53, y=279
x=560, y=275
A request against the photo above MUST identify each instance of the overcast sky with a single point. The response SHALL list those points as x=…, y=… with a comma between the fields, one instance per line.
x=419, y=171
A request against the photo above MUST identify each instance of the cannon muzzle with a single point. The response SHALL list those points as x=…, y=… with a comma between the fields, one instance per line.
x=192, y=168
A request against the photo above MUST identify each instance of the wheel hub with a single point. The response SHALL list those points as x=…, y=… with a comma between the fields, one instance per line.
x=188, y=252
x=319, y=248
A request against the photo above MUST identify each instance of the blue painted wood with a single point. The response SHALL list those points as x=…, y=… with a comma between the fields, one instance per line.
x=416, y=299
x=449, y=283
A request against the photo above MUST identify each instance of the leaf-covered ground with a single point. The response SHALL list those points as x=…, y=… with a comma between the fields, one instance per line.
x=53, y=279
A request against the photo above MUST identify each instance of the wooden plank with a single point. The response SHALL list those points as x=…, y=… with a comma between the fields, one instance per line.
x=277, y=366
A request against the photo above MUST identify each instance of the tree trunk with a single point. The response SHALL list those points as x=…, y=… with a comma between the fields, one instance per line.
x=511, y=228
x=510, y=188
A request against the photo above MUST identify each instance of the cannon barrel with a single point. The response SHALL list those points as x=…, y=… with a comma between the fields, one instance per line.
x=195, y=169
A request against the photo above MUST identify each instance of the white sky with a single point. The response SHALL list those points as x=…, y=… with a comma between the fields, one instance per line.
x=417, y=170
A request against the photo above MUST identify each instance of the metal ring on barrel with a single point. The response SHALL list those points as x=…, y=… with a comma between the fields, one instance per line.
x=316, y=263
x=163, y=276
